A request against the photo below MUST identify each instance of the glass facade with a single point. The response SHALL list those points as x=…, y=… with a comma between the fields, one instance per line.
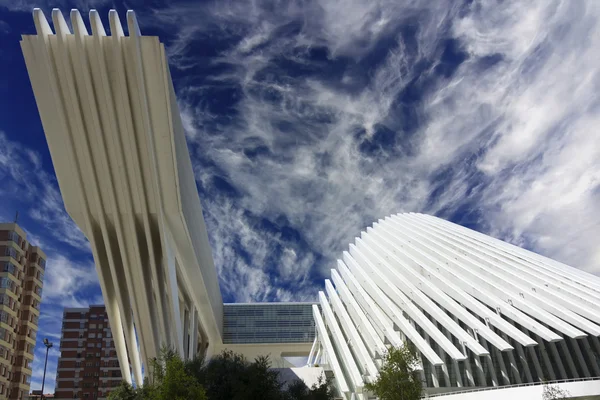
x=268, y=323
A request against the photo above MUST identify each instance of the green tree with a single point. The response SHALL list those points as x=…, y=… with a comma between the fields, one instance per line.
x=322, y=390
x=398, y=377
x=168, y=379
x=124, y=392
x=261, y=381
x=176, y=383
x=230, y=376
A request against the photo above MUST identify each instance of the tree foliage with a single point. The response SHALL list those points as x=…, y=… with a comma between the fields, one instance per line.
x=553, y=392
x=398, y=377
x=167, y=380
x=322, y=390
x=228, y=376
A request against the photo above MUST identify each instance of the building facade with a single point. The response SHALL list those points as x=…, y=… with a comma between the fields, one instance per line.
x=264, y=323
x=22, y=267
x=481, y=313
x=88, y=367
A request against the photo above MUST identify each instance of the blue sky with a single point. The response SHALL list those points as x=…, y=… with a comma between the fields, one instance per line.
x=306, y=121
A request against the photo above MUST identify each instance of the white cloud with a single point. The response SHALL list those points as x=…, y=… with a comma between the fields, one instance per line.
x=27, y=185
x=510, y=133
x=65, y=281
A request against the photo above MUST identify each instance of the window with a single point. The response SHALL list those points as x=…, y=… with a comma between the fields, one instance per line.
x=10, y=251
x=100, y=326
x=38, y=290
x=9, y=267
x=90, y=344
x=14, y=237
x=92, y=326
x=4, y=316
x=42, y=263
x=6, y=283
x=92, y=335
x=98, y=345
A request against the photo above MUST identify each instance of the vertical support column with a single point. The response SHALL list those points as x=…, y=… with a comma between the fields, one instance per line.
x=311, y=354
x=513, y=363
x=459, y=382
x=546, y=359
x=523, y=359
x=467, y=362
x=318, y=356
x=582, y=364
x=559, y=364
x=434, y=377
x=592, y=356
x=468, y=369
x=193, y=334
x=536, y=364
x=171, y=263
x=478, y=364
x=186, y=330
x=490, y=363
x=570, y=362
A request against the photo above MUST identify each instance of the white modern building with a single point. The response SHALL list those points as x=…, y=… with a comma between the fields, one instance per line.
x=483, y=314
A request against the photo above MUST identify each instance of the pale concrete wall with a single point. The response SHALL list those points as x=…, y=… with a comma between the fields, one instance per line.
x=276, y=352
x=588, y=390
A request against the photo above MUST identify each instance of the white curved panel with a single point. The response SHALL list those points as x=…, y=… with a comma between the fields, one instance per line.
x=518, y=317
x=117, y=143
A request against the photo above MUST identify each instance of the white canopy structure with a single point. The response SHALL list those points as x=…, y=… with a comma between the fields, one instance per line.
x=115, y=135
x=480, y=312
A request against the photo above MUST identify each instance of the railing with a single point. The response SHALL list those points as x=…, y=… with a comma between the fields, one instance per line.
x=481, y=389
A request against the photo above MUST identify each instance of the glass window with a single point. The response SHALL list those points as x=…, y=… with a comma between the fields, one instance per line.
x=10, y=251
x=14, y=237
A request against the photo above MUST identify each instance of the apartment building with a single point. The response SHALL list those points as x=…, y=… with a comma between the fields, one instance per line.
x=88, y=367
x=22, y=268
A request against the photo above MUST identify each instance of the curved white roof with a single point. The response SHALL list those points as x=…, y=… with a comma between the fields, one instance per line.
x=462, y=298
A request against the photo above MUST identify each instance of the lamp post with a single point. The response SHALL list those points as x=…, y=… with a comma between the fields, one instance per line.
x=48, y=345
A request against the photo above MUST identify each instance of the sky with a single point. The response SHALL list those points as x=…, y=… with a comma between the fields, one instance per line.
x=308, y=120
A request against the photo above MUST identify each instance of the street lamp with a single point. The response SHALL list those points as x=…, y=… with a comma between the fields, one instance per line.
x=48, y=345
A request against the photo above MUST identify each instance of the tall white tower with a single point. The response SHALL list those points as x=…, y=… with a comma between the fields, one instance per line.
x=118, y=147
